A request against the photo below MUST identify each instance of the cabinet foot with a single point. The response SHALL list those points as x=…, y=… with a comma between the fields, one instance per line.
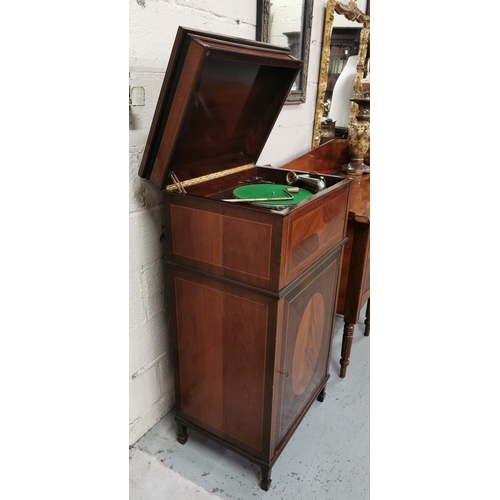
x=346, y=348
x=367, y=319
x=321, y=395
x=265, y=473
x=182, y=435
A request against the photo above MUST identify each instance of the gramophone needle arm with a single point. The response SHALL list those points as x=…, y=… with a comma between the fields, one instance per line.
x=242, y=200
x=287, y=191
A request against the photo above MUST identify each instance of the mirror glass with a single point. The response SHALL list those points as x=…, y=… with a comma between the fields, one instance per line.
x=288, y=23
x=344, y=47
x=344, y=68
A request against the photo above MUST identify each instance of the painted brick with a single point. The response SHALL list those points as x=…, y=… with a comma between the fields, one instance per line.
x=149, y=387
x=153, y=28
x=145, y=230
x=147, y=293
x=137, y=310
x=139, y=426
x=142, y=192
x=148, y=340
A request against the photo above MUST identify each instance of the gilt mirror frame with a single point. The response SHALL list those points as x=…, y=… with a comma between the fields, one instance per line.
x=351, y=12
x=263, y=34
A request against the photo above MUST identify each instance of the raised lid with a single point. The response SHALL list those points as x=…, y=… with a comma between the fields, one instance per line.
x=219, y=101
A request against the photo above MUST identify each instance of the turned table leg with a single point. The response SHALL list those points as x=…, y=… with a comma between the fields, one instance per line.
x=182, y=435
x=265, y=483
x=367, y=319
x=346, y=348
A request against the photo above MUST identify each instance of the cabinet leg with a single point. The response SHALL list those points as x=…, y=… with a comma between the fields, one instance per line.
x=367, y=319
x=346, y=348
x=182, y=435
x=321, y=395
x=265, y=473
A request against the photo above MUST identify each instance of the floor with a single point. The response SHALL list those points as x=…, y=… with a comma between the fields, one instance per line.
x=326, y=459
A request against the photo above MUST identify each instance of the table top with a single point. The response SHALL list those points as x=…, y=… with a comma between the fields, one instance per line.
x=359, y=199
x=328, y=159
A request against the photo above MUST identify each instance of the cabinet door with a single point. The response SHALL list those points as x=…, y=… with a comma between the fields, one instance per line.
x=308, y=315
x=224, y=355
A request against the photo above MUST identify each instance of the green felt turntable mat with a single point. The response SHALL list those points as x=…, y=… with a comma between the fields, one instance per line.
x=270, y=191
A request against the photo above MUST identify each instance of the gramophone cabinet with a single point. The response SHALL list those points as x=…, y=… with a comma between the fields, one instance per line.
x=252, y=289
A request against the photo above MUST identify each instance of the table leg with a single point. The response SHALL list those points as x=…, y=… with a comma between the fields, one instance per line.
x=367, y=319
x=346, y=348
x=265, y=483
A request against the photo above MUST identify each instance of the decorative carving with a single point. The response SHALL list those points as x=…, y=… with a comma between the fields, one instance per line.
x=359, y=138
x=323, y=72
x=265, y=20
x=351, y=12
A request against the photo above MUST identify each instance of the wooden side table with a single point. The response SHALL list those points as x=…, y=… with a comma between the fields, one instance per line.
x=354, y=289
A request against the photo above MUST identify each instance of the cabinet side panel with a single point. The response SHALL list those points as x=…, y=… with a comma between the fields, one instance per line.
x=247, y=247
x=238, y=243
x=196, y=234
x=313, y=233
x=245, y=327
x=199, y=338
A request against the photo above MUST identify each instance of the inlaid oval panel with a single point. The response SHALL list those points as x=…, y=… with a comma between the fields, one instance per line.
x=307, y=344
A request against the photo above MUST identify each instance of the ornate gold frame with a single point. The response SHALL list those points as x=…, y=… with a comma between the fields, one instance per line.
x=351, y=12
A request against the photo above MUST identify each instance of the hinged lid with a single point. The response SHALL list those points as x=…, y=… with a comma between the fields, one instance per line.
x=219, y=101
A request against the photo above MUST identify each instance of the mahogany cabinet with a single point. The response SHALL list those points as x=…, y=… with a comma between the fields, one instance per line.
x=252, y=288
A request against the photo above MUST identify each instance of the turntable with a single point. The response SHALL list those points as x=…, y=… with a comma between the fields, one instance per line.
x=270, y=195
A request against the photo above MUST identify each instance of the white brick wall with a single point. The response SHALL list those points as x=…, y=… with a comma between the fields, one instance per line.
x=153, y=26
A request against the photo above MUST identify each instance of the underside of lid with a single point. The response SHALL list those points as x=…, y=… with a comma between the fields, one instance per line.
x=219, y=101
